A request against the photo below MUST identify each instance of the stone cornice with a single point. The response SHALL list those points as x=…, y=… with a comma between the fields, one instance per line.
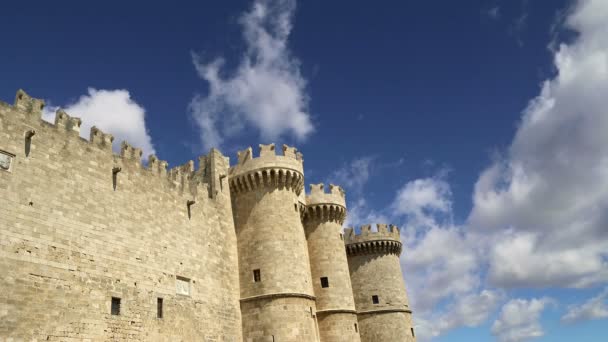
x=278, y=295
x=267, y=177
x=374, y=247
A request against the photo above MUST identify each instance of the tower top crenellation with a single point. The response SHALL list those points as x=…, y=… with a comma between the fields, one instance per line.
x=385, y=240
x=267, y=169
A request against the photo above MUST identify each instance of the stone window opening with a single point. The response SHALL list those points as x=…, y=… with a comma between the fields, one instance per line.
x=413, y=335
x=6, y=161
x=28, y=142
x=159, y=307
x=115, y=307
x=115, y=171
x=189, y=204
x=324, y=282
x=182, y=286
x=375, y=299
x=257, y=276
x=341, y=236
x=356, y=328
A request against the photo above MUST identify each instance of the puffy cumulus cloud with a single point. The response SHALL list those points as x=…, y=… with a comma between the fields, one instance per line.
x=266, y=91
x=595, y=308
x=551, y=189
x=519, y=319
x=440, y=262
x=420, y=197
x=112, y=111
x=470, y=310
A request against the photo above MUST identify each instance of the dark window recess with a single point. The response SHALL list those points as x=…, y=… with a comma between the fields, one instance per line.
x=341, y=236
x=413, y=335
x=257, y=276
x=375, y=299
x=356, y=329
x=324, y=282
x=159, y=308
x=115, y=310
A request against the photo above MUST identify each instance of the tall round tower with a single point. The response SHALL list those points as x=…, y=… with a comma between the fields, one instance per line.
x=277, y=299
x=381, y=300
x=323, y=220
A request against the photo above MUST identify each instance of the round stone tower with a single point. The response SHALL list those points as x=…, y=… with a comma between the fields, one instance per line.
x=323, y=218
x=381, y=300
x=277, y=298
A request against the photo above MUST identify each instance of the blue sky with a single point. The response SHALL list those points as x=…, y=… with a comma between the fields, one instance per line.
x=479, y=127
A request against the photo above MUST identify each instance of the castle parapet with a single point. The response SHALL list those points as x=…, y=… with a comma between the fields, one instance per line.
x=28, y=104
x=101, y=139
x=325, y=205
x=385, y=240
x=268, y=169
x=63, y=121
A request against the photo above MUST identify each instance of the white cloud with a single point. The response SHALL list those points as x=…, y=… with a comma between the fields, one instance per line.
x=266, y=91
x=112, y=111
x=595, y=308
x=470, y=311
x=422, y=195
x=353, y=176
x=440, y=261
x=551, y=190
x=519, y=319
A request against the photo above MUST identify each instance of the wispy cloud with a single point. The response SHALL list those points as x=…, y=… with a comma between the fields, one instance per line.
x=266, y=91
x=594, y=308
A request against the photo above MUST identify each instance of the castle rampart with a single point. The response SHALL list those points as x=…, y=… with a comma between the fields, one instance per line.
x=97, y=245
x=72, y=240
x=381, y=300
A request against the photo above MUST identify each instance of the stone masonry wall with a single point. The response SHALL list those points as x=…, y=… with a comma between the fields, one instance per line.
x=373, y=260
x=335, y=304
x=69, y=241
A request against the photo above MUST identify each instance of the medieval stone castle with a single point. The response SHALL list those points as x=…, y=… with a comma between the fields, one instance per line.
x=96, y=246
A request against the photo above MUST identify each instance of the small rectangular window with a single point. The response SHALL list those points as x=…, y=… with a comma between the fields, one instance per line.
x=115, y=309
x=257, y=276
x=324, y=282
x=375, y=299
x=356, y=329
x=413, y=335
x=182, y=286
x=159, y=308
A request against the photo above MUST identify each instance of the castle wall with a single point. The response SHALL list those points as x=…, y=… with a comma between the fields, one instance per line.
x=69, y=241
x=323, y=220
x=373, y=260
x=280, y=305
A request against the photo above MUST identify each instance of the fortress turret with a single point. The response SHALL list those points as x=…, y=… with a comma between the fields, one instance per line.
x=323, y=219
x=277, y=298
x=381, y=300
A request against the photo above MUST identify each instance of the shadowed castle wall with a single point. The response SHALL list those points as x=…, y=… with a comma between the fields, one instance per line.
x=373, y=260
x=280, y=305
x=325, y=213
x=69, y=241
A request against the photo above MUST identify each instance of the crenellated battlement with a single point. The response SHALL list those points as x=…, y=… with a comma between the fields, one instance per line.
x=385, y=240
x=28, y=105
x=324, y=205
x=130, y=154
x=268, y=169
x=185, y=177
